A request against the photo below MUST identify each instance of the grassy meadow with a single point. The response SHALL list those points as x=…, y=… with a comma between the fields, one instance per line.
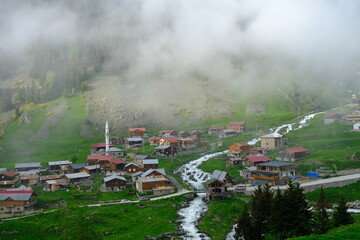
x=123, y=221
x=63, y=141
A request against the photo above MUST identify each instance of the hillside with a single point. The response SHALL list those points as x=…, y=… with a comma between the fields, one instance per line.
x=59, y=129
x=56, y=131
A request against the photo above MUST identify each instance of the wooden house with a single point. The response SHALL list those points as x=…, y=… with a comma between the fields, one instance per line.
x=99, y=159
x=168, y=133
x=187, y=143
x=115, y=182
x=184, y=134
x=78, y=178
x=132, y=168
x=44, y=179
x=237, y=126
x=8, y=179
x=169, y=141
x=216, y=186
x=117, y=164
x=29, y=178
x=91, y=169
x=154, y=141
x=23, y=167
x=150, y=163
x=138, y=159
x=165, y=151
x=273, y=172
x=59, y=166
x=234, y=161
x=239, y=149
x=116, y=152
x=137, y=132
x=253, y=160
x=56, y=185
x=132, y=143
x=226, y=133
x=215, y=130
x=154, y=180
x=258, y=150
x=195, y=134
x=99, y=148
x=272, y=141
x=293, y=154
x=75, y=168
x=9, y=176
x=16, y=201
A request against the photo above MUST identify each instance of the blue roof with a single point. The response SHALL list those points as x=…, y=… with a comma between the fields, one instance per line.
x=141, y=156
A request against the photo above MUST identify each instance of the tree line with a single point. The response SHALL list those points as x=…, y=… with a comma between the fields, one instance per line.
x=281, y=215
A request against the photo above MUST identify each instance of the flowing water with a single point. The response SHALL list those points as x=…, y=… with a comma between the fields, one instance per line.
x=191, y=174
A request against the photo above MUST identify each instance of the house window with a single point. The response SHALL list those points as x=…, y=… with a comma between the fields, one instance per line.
x=18, y=209
x=2, y=209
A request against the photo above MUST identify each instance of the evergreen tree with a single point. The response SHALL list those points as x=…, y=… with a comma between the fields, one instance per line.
x=321, y=218
x=261, y=204
x=341, y=216
x=298, y=215
x=245, y=227
x=277, y=226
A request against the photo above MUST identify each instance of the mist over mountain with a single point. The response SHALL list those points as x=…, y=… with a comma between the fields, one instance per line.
x=146, y=61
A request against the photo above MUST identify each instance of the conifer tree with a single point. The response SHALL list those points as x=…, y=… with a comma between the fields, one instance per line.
x=321, y=222
x=298, y=215
x=277, y=225
x=245, y=227
x=341, y=216
x=261, y=204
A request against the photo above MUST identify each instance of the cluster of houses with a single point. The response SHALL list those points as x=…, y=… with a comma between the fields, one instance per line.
x=260, y=169
x=232, y=129
x=168, y=141
x=350, y=117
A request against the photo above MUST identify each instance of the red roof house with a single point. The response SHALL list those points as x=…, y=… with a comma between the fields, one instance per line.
x=292, y=154
x=252, y=160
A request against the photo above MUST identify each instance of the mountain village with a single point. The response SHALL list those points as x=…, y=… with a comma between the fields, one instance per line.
x=121, y=168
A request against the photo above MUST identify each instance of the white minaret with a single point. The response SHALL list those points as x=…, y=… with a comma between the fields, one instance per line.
x=107, y=138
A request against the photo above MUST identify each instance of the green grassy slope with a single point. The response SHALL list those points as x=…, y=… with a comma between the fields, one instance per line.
x=341, y=233
x=63, y=141
x=124, y=221
x=331, y=143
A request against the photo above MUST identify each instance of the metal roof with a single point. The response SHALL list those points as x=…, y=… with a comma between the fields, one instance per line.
x=275, y=163
x=153, y=179
x=59, y=163
x=77, y=165
x=134, y=139
x=162, y=147
x=150, y=161
x=16, y=195
x=27, y=165
x=132, y=163
x=107, y=179
x=219, y=175
x=77, y=175
x=115, y=149
x=92, y=167
x=159, y=170
x=2, y=169
x=141, y=156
